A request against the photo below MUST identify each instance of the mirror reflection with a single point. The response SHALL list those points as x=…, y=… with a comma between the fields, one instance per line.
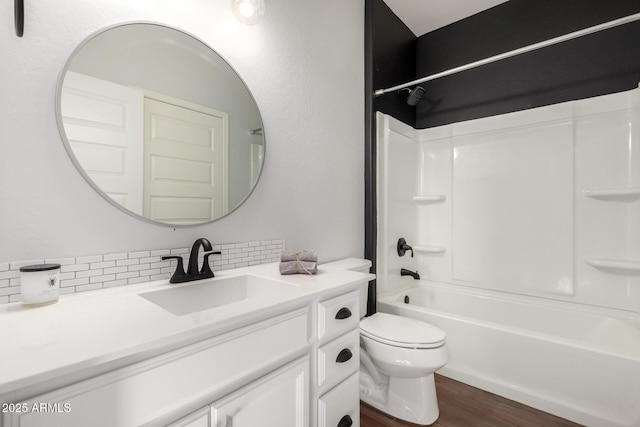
x=160, y=124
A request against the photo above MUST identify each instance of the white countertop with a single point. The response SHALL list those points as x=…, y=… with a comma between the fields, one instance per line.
x=86, y=330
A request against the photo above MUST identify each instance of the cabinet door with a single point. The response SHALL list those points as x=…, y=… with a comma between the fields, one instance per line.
x=279, y=399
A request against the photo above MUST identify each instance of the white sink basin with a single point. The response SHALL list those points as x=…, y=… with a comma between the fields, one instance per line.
x=203, y=295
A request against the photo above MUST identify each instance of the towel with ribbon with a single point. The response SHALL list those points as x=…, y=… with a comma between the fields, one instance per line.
x=302, y=262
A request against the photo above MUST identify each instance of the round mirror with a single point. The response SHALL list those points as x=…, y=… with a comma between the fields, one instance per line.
x=160, y=124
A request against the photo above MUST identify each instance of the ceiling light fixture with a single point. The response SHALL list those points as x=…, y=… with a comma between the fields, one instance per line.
x=248, y=11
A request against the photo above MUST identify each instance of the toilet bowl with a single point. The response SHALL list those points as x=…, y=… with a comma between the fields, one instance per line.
x=398, y=358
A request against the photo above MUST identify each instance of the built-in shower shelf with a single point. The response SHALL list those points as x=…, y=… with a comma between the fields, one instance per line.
x=613, y=193
x=430, y=249
x=430, y=198
x=614, y=264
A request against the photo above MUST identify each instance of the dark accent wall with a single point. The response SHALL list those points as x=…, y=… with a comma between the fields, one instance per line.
x=389, y=60
x=597, y=64
x=393, y=60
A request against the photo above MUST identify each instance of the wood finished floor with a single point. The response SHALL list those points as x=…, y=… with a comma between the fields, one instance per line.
x=464, y=406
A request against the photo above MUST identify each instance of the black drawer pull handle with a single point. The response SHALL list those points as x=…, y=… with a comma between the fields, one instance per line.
x=345, y=421
x=344, y=356
x=343, y=313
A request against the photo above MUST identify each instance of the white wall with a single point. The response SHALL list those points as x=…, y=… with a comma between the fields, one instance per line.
x=304, y=64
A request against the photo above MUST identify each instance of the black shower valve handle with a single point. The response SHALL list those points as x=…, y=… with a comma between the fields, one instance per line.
x=402, y=247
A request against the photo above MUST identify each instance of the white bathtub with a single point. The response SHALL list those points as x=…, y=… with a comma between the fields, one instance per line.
x=582, y=365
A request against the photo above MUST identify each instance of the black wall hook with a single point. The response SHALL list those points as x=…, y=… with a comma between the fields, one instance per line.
x=18, y=11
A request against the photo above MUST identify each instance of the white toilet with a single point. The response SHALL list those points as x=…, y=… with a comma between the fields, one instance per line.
x=398, y=357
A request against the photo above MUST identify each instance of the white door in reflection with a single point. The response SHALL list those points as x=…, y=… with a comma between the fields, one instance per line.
x=103, y=123
x=185, y=161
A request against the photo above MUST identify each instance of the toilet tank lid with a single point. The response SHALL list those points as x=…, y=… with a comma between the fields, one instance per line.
x=402, y=331
x=354, y=264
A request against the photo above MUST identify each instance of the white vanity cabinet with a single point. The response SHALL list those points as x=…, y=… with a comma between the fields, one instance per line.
x=153, y=390
x=337, y=397
x=294, y=364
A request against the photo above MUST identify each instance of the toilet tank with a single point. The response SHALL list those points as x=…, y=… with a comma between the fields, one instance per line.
x=355, y=264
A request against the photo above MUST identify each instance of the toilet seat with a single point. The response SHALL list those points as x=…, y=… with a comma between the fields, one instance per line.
x=399, y=331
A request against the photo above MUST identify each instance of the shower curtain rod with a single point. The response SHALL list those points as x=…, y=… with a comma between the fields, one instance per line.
x=515, y=52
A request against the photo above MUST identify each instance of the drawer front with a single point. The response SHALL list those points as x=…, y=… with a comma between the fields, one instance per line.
x=144, y=391
x=338, y=315
x=340, y=407
x=338, y=359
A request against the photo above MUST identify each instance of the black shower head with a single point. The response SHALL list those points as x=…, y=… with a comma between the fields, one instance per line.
x=415, y=96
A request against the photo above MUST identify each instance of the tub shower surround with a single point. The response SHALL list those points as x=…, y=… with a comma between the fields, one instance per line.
x=85, y=273
x=526, y=234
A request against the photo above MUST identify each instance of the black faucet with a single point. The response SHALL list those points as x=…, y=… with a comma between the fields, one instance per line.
x=405, y=272
x=179, y=276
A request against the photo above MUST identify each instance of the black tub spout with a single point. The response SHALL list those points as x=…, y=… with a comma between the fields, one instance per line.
x=405, y=272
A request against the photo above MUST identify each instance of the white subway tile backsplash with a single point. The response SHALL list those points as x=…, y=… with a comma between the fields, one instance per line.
x=126, y=262
x=103, y=264
x=6, y=291
x=93, y=272
x=139, y=254
x=74, y=282
x=138, y=267
x=127, y=275
x=161, y=252
x=9, y=274
x=88, y=273
x=114, y=270
x=74, y=267
x=115, y=257
x=88, y=259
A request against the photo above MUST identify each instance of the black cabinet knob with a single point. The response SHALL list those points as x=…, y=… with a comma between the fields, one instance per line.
x=345, y=421
x=343, y=313
x=344, y=356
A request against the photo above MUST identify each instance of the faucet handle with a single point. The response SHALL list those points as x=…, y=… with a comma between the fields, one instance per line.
x=205, y=271
x=402, y=247
x=179, y=274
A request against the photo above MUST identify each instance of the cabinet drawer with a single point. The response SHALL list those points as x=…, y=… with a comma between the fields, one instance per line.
x=338, y=359
x=338, y=315
x=340, y=407
x=144, y=391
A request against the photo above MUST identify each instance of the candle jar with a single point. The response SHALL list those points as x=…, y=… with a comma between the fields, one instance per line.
x=39, y=284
